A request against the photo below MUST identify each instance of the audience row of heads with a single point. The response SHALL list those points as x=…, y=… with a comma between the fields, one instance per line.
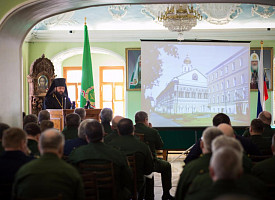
x=16, y=139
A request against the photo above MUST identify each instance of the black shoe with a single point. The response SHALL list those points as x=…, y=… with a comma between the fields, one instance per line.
x=167, y=197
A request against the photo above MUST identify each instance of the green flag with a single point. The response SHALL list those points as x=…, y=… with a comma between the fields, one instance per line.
x=87, y=81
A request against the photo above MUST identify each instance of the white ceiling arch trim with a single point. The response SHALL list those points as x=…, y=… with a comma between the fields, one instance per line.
x=58, y=59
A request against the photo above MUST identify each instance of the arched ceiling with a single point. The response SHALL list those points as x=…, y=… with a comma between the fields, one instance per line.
x=134, y=22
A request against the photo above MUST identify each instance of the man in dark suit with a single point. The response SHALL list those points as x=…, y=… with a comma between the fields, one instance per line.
x=130, y=145
x=225, y=168
x=72, y=123
x=33, y=131
x=266, y=118
x=218, y=119
x=15, y=155
x=108, y=138
x=106, y=116
x=256, y=130
x=96, y=150
x=264, y=170
x=70, y=145
x=49, y=176
x=153, y=139
x=200, y=165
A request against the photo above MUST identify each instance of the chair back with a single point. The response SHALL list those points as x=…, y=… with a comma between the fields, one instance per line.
x=104, y=177
x=90, y=188
x=59, y=197
x=140, y=136
x=132, y=163
x=256, y=159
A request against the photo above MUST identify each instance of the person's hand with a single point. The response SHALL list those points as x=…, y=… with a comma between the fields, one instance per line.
x=150, y=125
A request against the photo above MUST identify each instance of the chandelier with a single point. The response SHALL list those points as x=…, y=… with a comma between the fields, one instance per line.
x=179, y=18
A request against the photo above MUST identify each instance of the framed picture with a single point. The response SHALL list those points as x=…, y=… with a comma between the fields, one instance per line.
x=255, y=63
x=133, y=68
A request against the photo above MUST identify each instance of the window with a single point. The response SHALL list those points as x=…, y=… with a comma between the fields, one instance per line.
x=73, y=80
x=234, y=81
x=222, y=85
x=241, y=62
x=233, y=66
x=227, y=84
x=112, y=89
x=226, y=69
x=216, y=74
x=221, y=72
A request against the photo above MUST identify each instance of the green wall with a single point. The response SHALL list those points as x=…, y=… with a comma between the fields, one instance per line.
x=32, y=51
x=35, y=50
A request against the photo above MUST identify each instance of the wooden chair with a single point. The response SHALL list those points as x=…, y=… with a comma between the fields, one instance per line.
x=90, y=188
x=132, y=163
x=104, y=177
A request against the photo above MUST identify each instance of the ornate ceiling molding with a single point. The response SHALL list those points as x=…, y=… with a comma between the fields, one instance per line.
x=220, y=13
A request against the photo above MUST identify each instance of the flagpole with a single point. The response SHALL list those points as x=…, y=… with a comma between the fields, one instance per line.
x=262, y=74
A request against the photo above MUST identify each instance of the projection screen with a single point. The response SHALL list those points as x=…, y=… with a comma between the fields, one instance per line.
x=187, y=83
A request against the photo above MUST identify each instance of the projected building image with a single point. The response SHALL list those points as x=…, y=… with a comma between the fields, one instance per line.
x=197, y=93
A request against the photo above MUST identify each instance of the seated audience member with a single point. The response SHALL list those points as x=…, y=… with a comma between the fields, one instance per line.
x=108, y=138
x=153, y=139
x=266, y=118
x=198, y=166
x=246, y=180
x=256, y=130
x=33, y=133
x=218, y=119
x=72, y=123
x=14, y=156
x=30, y=118
x=70, y=145
x=81, y=112
x=228, y=131
x=46, y=124
x=3, y=127
x=264, y=170
x=43, y=115
x=49, y=176
x=106, y=116
x=97, y=150
x=225, y=168
x=130, y=145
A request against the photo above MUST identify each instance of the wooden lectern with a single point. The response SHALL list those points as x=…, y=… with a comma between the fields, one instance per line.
x=58, y=116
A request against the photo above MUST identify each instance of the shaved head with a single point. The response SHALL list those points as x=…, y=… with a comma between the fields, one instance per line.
x=115, y=121
x=51, y=141
x=265, y=117
x=227, y=130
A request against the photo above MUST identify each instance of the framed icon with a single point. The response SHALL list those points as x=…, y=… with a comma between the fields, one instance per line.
x=133, y=68
x=267, y=63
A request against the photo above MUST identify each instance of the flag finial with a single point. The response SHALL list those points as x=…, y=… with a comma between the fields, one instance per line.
x=85, y=21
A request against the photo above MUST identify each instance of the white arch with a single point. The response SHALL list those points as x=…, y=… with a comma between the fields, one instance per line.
x=61, y=56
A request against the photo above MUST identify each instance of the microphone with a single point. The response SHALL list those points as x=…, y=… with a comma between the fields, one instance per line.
x=65, y=102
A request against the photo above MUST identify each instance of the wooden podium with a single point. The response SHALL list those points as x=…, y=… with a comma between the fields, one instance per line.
x=58, y=116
